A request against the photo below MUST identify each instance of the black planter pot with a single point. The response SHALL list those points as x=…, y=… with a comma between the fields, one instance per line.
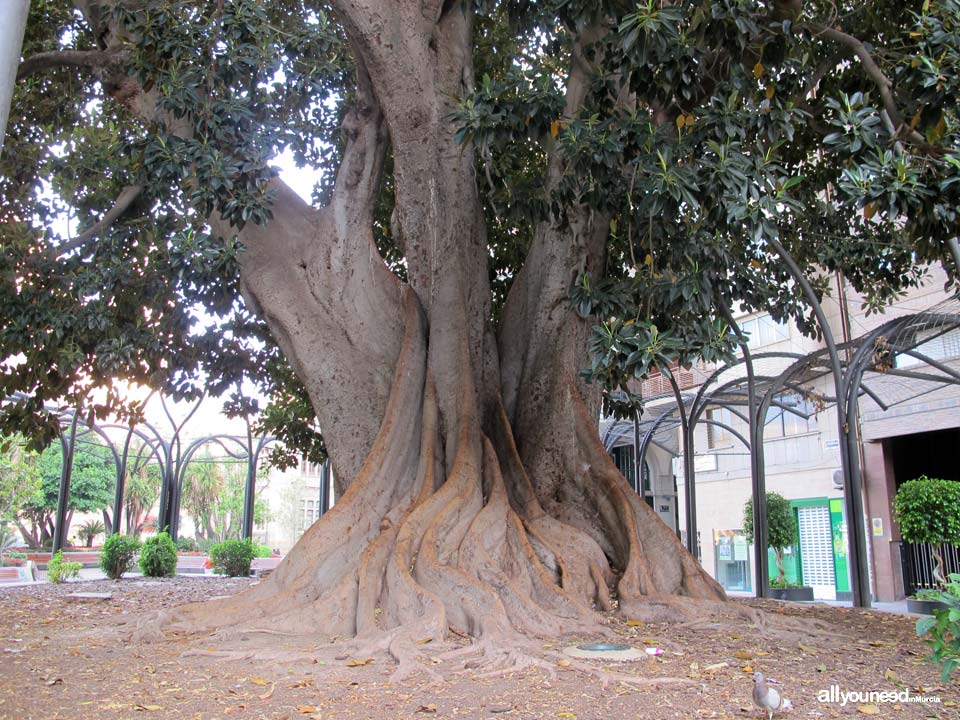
x=800, y=594
x=925, y=607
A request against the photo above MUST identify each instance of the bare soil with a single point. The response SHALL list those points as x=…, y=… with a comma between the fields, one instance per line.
x=73, y=658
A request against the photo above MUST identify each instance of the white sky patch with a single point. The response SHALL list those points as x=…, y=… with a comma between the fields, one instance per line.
x=300, y=179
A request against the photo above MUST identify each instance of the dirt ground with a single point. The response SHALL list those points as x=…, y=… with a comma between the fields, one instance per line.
x=72, y=658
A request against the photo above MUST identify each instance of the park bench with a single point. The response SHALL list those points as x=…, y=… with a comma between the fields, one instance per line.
x=261, y=567
x=191, y=564
x=16, y=574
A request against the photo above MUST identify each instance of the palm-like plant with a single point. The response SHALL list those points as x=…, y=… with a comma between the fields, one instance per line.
x=89, y=530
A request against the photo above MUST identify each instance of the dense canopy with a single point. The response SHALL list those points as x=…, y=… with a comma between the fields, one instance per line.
x=705, y=127
x=505, y=184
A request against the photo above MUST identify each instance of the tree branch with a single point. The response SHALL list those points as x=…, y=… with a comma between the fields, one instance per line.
x=126, y=198
x=873, y=71
x=69, y=58
x=361, y=169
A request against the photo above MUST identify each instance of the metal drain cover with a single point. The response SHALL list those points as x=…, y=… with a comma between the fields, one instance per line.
x=604, y=651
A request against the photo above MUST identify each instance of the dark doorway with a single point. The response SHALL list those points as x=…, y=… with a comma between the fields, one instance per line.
x=933, y=454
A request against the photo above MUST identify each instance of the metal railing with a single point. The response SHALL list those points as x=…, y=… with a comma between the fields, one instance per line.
x=918, y=565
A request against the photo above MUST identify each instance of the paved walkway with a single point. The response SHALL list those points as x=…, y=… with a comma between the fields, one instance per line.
x=900, y=606
x=92, y=573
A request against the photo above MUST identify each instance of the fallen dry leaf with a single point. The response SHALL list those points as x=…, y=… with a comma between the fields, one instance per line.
x=635, y=623
x=268, y=694
x=563, y=663
x=152, y=708
x=358, y=663
x=301, y=683
x=55, y=681
x=891, y=676
x=424, y=641
x=259, y=681
x=869, y=709
x=306, y=709
x=748, y=668
x=807, y=649
x=427, y=709
x=741, y=655
x=715, y=666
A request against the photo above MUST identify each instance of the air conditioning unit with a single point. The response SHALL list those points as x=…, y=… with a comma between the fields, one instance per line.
x=838, y=479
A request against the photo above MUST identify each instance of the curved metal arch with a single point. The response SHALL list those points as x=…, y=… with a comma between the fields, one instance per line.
x=251, y=453
x=180, y=473
x=702, y=399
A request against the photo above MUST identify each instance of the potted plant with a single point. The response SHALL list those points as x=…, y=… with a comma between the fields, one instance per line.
x=781, y=531
x=928, y=511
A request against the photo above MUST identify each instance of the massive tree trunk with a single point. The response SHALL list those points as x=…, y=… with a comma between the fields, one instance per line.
x=480, y=501
x=478, y=498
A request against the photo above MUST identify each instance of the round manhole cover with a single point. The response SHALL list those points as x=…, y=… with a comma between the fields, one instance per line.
x=603, y=647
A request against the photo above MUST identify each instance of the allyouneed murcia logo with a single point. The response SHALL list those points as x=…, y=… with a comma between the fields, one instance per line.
x=835, y=695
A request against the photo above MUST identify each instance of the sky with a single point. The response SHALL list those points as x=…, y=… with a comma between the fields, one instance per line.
x=209, y=418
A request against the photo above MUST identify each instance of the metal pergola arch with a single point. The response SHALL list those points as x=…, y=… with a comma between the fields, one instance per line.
x=169, y=454
x=865, y=359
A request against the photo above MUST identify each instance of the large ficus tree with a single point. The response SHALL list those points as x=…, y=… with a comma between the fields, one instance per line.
x=509, y=185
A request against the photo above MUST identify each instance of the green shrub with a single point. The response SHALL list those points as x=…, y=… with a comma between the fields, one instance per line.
x=117, y=555
x=781, y=583
x=262, y=551
x=58, y=570
x=187, y=544
x=928, y=511
x=942, y=631
x=232, y=557
x=158, y=556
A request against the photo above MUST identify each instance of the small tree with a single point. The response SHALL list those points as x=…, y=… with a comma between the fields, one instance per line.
x=781, y=526
x=139, y=497
x=89, y=531
x=117, y=555
x=158, y=556
x=91, y=489
x=928, y=511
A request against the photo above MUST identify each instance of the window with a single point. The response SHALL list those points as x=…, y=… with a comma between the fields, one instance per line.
x=623, y=458
x=789, y=415
x=941, y=347
x=732, y=557
x=308, y=513
x=763, y=330
x=717, y=435
x=310, y=469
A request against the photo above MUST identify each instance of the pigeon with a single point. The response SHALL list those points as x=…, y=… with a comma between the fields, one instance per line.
x=768, y=698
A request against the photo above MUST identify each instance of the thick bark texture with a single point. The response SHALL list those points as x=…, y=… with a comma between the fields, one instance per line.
x=479, y=500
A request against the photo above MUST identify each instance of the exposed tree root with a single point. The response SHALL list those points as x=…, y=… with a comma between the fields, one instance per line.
x=423, y=550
